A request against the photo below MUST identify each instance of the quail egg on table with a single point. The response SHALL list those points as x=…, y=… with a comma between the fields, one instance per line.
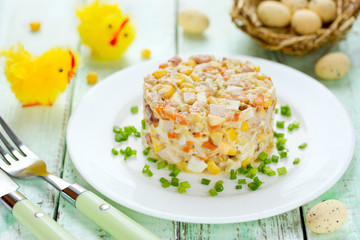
x=193, y=21
x=332, y=66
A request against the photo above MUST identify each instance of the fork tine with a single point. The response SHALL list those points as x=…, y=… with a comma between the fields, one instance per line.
x=14, y=138
x=6, y=157
x=14, y=152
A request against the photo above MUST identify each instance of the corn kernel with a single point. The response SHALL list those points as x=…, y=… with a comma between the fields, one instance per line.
x=261, y=139
x=224, y=148
x=232, y=152
x=260, y=76
x=195, y=77
x=187, y=71
x=188, y=90
x=245, y=162
x=156, y=144
x=190, y=63
x=186, y=85
x=183, y=166
x=180, y=78
x=257, y=68
x=232, y=134
x=92, y=78
x=167, y=90
x=145, y=53
x=212, y=167
x=35, y=26
x=267, y=102
x=159, y=73
x=244, y=126
x=216, y=136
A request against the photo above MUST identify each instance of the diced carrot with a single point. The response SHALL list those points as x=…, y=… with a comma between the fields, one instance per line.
x=259, y=100
x=197, y=134
x=173, y=135
x=236, y=117
x=180, y=119
x=188, y=146
x=201, y=158
x=164, y=65
x=209, y=145
x=215, y=127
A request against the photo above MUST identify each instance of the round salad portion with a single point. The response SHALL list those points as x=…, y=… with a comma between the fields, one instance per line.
x=205, y=114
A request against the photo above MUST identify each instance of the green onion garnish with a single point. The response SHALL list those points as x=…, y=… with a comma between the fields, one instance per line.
x=161, y=165
x=134, y=109
x=181, y=189
x=279, y=135
x=285, y=110
x=280, y=124
x=296, y=161
x=149, y=173
x=296, y=124
x=175, y=172
x=302, y=146
x=267, y=161
x=242, y=181
x=219, y=186
x=128, y=152
x=162, y=180
x=232, y=174
x=248, y=166
x=185, y=184
x=146, y=151
x=116, y=129
x=282, y=170
x=276, y=110
x=171, y=167
x=262, y=156
x=242, y=171
x=137, y=134
x=165, y=183
x=212, y=192
x=268, y=171
x=291, y=127
x=238, y=187
x=280, y=144
x=152, y=159
x=261, y=167
x=205, y=181
x=257, y=181
x=146, y=167
x=283, y=154
x=275, y=159
x=114, y=152
x=252, y=173
x=143, y=124
x=252, y=186
x=175, y=182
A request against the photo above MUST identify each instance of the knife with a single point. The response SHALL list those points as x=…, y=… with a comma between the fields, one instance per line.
x=28, y=214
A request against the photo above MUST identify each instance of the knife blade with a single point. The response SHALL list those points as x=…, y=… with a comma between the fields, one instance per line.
x=36, y=221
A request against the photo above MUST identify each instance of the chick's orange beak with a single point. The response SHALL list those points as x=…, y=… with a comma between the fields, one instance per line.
x=71, y=73
x=114, y=40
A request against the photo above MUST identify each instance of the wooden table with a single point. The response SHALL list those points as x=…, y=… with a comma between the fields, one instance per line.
x=43, y=128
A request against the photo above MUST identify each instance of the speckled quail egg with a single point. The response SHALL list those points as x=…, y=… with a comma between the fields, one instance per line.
x=326, y=216
x=332, y=66
x=273, y=14
x=295, y=4
x=325, y=8
x=193, y=21
x=305, y=21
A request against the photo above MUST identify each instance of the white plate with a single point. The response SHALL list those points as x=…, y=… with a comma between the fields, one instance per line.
x=325, y=126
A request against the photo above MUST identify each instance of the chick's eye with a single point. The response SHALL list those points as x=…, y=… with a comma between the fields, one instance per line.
x=109, y=26
x=125, y=34
x=61, y=70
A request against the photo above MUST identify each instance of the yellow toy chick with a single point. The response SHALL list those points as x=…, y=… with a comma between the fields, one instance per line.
x=39, y=80
x=105, y=30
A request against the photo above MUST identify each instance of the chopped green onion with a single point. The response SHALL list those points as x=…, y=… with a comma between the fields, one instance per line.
x=137, y=134
x=261, y=167
x=212, y=192
x=165, y=183
x=279, y=135
x=257, y=181
x=163, y=180
x=276, y=110
x=291, y=127
x=275, y=159
x=146, y=167
x=283, y=154
x=185, y=184
x=267, y=161
x=171, y=167
x=242, y=170
x=296, y=124
x=248, y=166
x=252, y=173
x=149, y=173
x=296, y=161
x=268, y=171
x=252, y=186
x=242, y=181
x=143, y=124
x=152, y=159
x=262, y=156
x=175, y=182
x=116, y=129
x=121, y=137
x=280, y=124
x=282, y=170
x=181, y=189
x=146, y=151
x=161, y=165
x=302, y=146
x=134, y=109
x=238, y=187
x=219, y=186
x=205, y=181
x=280, y=144
x=114, y=152
x=232, y=174
x=285, y=110
x=128, y=152
x=175, y=172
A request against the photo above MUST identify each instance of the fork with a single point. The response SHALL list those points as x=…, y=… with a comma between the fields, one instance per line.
x=23, y=163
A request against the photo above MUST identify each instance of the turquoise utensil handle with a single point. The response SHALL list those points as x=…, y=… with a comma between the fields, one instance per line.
x=110, y=219
x=38, y=223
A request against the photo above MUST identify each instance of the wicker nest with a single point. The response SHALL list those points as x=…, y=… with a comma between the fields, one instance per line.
x=286, y=39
